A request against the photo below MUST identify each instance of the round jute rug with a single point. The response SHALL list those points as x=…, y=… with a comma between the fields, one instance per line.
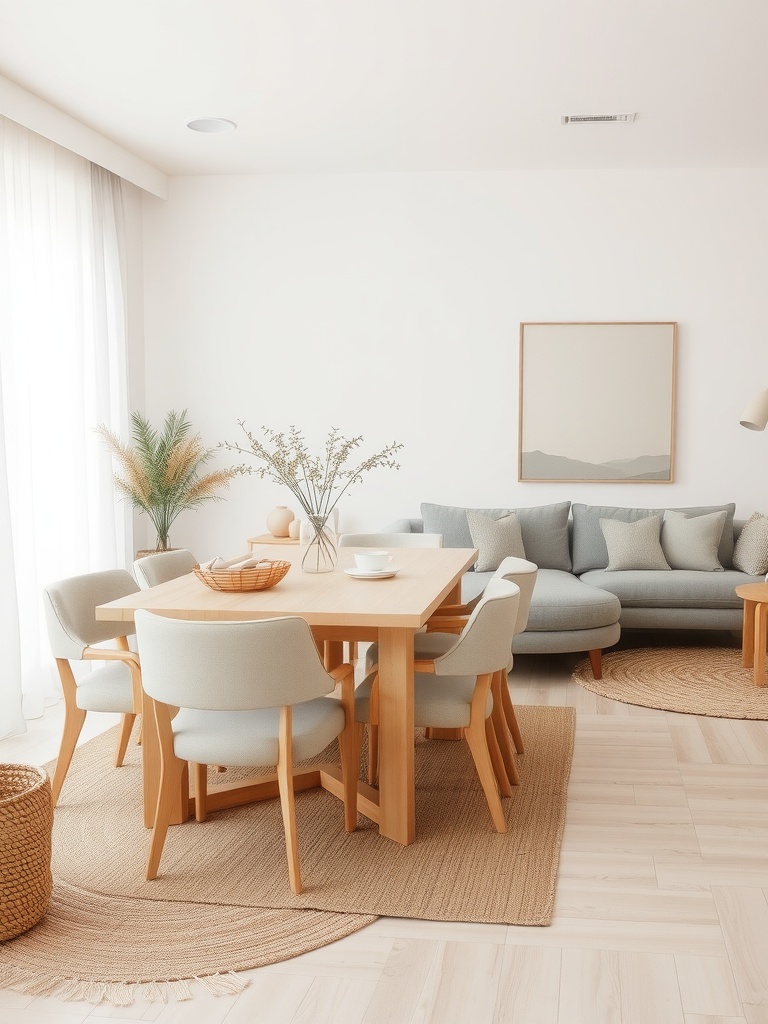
x=692, y=680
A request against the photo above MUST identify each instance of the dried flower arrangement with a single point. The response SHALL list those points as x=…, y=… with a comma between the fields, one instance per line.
x=316, y=481
x=160, y=471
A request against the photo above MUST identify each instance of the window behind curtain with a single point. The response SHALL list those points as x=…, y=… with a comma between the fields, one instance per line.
x=62, y=371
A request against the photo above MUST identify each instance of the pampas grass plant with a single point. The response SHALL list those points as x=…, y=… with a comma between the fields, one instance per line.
x=159, y=472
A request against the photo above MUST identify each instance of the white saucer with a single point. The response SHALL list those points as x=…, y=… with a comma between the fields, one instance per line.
x=371, y=574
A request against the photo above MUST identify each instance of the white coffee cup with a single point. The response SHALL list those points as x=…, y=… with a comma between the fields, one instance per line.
x=372, y=561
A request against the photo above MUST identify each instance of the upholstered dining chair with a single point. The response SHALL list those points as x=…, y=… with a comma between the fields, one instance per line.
x=73, y=632
x=387, y=540
x=269, y=706
x=441, y=636
x=439, y=639
x=391, y=540
x=163, y=566
x=453, y=690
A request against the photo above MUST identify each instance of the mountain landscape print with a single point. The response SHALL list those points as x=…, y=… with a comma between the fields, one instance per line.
x=597, y=402
x=542, y=466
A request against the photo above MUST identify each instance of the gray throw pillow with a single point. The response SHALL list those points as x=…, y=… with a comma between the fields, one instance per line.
x=544, y=529
x=691, y=542
x=750, y=553
x=633, y=545
x=495, y=539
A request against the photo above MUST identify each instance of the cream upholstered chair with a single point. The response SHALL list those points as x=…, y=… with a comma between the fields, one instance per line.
x=387, y=540
x=391, y=540
x=73, y=631
x=250, y=693
x=453, y=690
x=439, y=639
x=441, y=636
x=163, y=566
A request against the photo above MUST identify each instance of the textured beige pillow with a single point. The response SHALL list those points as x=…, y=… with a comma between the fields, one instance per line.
x=495, y=539
x=691, y=542
x=750, y=553
x=633, y=545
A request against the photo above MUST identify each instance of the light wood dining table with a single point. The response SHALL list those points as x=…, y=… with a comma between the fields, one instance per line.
x=338, y=608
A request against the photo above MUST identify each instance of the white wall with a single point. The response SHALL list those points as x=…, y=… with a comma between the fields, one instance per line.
x=389, y=306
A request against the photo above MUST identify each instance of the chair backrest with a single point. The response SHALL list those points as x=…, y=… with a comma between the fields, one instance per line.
x=391, y=540
x=523, y=573
x=229, y=666
x=163, y=566
x=70, y=610
x=484, y=643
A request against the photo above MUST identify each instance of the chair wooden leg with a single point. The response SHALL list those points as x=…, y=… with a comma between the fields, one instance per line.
x=509, y=714
x=352, y=646
x=475, y=736
x=287, y=804
x=200, y=776
x=350, y=769
x=73, y=723
x=126, y=726
x=373, y=754
x=596, y=661
x=499, y=768
x=171, y=774
x=502, y=733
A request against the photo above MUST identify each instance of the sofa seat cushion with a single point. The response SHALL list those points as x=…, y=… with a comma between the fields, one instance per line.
x=560, y=601
x=681, y=588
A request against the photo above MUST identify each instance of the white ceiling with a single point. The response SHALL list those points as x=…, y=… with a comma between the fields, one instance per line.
x=402, y=85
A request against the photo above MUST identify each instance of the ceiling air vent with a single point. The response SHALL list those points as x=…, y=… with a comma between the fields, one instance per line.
x=586, y=118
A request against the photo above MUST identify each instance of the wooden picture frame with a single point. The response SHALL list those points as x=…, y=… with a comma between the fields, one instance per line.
x=597, y=402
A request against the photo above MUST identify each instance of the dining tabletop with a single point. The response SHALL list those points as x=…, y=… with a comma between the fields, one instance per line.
x=339, y=607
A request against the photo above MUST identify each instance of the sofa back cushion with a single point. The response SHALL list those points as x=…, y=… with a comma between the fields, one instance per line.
x=588, y=544
x=544, y=530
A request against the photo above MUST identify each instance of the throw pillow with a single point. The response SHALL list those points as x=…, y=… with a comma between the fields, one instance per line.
x=495, y=539
x=691, y=542
x=544, y=529
x=589, y=551
x=750, y=553
x=633, y=545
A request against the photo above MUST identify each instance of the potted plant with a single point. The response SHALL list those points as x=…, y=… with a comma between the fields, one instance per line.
x=160, y=472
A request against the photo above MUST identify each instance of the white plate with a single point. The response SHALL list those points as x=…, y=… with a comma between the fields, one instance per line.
x=375, y=574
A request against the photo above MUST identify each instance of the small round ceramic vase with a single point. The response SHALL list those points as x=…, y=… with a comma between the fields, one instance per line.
x=279, y=521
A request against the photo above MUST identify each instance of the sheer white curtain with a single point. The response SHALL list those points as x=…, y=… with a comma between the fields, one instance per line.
x=62, y=371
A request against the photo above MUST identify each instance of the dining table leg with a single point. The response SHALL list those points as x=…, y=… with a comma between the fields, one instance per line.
x=397, y=799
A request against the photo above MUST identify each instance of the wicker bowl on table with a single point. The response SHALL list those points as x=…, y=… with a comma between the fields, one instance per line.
x=259, y=577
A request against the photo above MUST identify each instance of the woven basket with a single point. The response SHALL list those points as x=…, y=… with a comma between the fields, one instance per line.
x=26, y=823
x=266, y=574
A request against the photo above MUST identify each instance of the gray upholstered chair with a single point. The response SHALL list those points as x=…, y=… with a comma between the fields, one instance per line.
x=163, y=566
x=452, y=690
x=269, y=706
x=73, y=630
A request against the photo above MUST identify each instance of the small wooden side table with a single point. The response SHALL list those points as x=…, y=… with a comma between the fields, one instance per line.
x=755, y=632
x=267, y=538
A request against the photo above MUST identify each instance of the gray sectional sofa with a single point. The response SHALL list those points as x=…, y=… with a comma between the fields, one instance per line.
x=579, y=602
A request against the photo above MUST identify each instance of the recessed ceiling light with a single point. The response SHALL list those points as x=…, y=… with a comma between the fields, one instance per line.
x=212, y=124
x=595, y=118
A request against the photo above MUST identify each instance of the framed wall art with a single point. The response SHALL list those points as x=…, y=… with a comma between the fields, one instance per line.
x=597, y=402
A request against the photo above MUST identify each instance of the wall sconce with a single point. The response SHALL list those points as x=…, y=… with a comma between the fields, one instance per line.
x=755, y=416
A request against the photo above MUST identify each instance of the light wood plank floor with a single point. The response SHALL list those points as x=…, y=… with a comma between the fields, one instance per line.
x=661, y=913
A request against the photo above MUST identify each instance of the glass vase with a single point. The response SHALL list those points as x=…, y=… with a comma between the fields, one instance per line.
x=317, y=540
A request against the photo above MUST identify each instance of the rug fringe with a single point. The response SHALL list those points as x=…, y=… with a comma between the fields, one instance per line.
x=119, y=993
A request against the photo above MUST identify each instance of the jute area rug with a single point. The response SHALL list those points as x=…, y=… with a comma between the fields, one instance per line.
x=222, y=902
x=692, y=680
